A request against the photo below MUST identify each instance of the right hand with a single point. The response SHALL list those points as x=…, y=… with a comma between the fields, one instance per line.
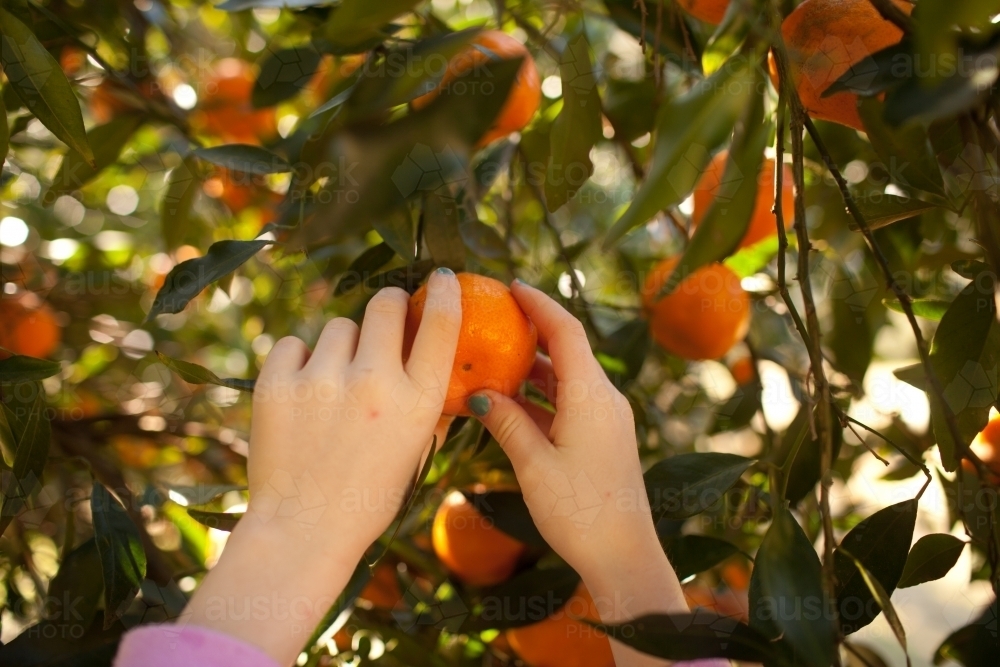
x=579, y=469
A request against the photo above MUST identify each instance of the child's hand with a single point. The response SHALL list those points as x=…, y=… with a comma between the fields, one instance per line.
x=580, y=474
x=336, y=440
x=344, y=430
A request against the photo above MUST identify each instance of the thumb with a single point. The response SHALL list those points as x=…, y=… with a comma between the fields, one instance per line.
x=513, y=428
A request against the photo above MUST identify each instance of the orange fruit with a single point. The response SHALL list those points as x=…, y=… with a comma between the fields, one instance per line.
x=762, y=220
x=464, y=71
x=825, y=38
x=743, y=370
x=709, y=11
x=224, y=109
x=28, y=327
x=111, y=99
x=705, y=316
x=496, y=347
x=382, y=590
x=239, y=191
x=135, y=451
x=986, y=446
x=562, y=641
x=470, y=546
x=723, y=601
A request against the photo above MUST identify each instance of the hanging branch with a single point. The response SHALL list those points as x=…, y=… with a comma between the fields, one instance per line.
x=824, y=429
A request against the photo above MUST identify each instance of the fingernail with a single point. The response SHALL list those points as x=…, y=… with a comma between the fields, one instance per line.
x=521, y=283
x=479, y=405
x=445, y=271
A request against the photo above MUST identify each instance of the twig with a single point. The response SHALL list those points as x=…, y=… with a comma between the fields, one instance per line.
x=825, y=426
x=890, y=12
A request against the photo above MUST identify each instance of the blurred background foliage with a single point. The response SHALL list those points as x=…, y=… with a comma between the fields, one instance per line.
x=184, y=183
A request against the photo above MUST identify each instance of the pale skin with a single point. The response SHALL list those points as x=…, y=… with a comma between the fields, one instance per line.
x=331, y=460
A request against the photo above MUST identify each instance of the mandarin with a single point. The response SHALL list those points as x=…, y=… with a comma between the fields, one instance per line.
x=28, y=328
x=382, y=590
x=703, y=317
x=225, y=110
x=496, y=347
x=562, y=641
x=762, y=220
x=709, y=11
x=524, y=96
x=470, y=546
x=826, y=38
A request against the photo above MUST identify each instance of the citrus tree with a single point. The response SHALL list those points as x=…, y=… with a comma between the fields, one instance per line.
x=757, y=209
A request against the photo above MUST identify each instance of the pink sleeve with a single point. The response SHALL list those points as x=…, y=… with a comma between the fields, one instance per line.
x=186, y=646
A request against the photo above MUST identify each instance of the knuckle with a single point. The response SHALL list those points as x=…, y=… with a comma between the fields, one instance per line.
x=507, y=428
x=341, y=324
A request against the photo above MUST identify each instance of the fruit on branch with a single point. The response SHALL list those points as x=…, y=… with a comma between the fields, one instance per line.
x=496, y=347
x=703, y=317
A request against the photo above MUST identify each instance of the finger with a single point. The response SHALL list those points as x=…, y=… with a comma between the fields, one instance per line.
x=433, y=351
x=336, y=345
x=512, y=427
x=543, y=418
x=380, y=342
x=287, y=356
x=543, y=377
x=560, y=333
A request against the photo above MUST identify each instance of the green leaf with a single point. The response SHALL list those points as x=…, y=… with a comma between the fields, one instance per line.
x=355, y=22
x=688, y=129
x=79, y=584
x=219, y=520
x=688, y=484
x=204, y=493
x=906, y=153
x=186, y=280
x=965, y=354
x=108, y=141
x=629, y=344
x=880, y=210
x=381, y=167
x=483, y=240
x=196, y=374
x=441, y=231
x=123, y=561
x=914, y=375
x=726, y=221
x=931, y=558
x=577, y=128
x=363, y=267
x=39, y=81
x=930, y=309
x=405, y=72
x=974, y=645
x=524, y=599
x=881, y=543
x=969, y=268
x=283, y=74
x=4, y=133
x=881, y=596
x=19, y=368
x=183, y=185
x=875, y=73
x=396, y=229
x=786, y=592
x=631, y=106
x=240, y=5
x=672, y=38
x=801, y=473
x=244, y=158
x=727, y=38
x=30, y=429
x=406, y=277
x=747, y=261
x=701, y=634
x=509, y=513
x=691, y=554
